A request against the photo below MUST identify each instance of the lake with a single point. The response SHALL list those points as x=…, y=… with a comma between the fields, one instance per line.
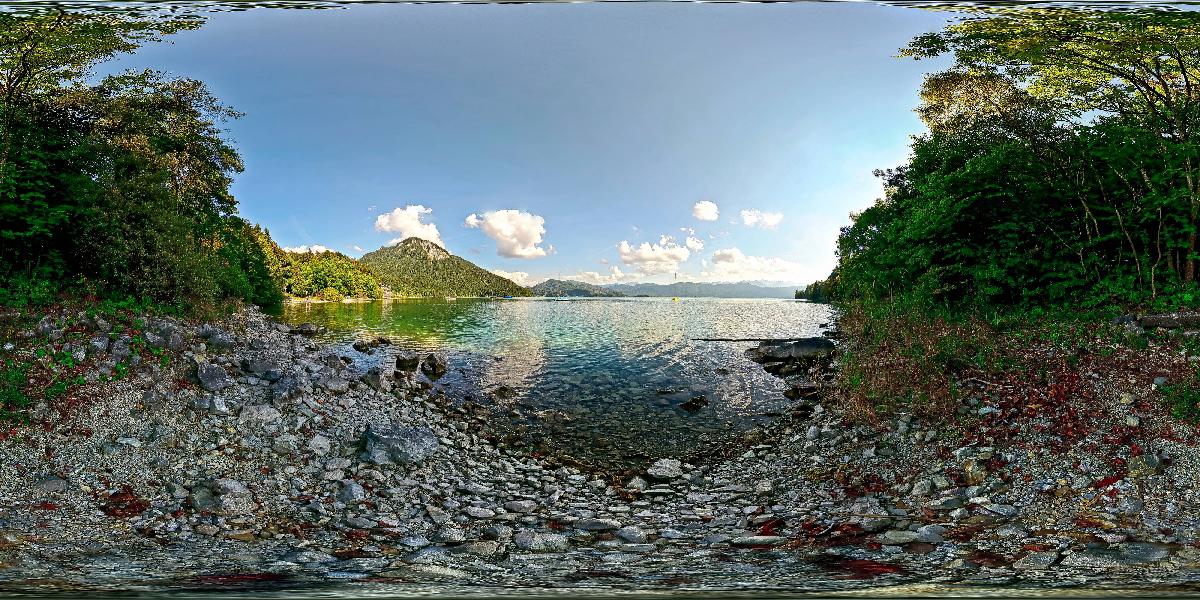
x=599, y=379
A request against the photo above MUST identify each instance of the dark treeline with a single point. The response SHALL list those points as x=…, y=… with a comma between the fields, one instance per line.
x=118, y=187
x=1061, y=167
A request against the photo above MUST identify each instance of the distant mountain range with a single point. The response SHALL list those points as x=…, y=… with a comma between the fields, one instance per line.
x=702, y=290
x=417, y=267
x=558, y=288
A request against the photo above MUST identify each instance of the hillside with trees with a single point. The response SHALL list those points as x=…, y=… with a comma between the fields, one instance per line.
x=327, y=275
x=558, y=288
x=420, y=268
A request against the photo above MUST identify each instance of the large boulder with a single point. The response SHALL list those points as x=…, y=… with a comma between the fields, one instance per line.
x=263, y=368
x=434, y=366
x=387, y=444
x=408, y=361
x=291, y=385
x=215, y=336
x=232, y=497
x=803, y=348
x=212, y=377
x=378, y=379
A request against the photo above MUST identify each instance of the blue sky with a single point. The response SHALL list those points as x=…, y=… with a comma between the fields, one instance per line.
x=566, y=140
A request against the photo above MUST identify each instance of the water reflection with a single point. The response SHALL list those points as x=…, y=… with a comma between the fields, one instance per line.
x=602, y=377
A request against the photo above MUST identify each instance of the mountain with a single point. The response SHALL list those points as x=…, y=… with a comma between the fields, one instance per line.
x=417, y=267
x=558, y=288
x=690, y=289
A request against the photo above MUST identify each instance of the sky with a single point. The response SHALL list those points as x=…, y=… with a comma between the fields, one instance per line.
x=600, y=142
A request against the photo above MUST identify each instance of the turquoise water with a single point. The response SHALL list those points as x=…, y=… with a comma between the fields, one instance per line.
x=601, y=378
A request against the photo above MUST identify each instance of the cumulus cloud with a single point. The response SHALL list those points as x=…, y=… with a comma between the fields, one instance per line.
x=706, y=210
x=663, y=257
x=731, y=264
x=694, y=244
x=757, y=218
x=517, y=277
x=407, y=222
x=313, y=249
x=614, y=275
x=517, y=234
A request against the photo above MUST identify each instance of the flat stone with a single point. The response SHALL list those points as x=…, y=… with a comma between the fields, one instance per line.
x=1036, y=561
x=520, y=506
x=398, y=445
x=540, y=542
x=759, y=540
x=597, y=524
x=898, y=537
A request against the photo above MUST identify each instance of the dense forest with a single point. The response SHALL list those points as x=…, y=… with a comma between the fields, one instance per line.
x=1060, y=167
x=324, y=275
x=118, y=187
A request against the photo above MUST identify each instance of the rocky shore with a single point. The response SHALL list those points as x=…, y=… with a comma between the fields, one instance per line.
x=257, y=458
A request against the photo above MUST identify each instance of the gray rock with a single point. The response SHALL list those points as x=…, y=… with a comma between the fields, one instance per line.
x=520, y=506
x=434, y=366
x=263, y=368
x=665, y=468
x=408, y=361
x=385, y=444
x=1036, y=561
x=212, y=377
x=302, y=556
x=898, y=537
x=484, y=548
x=540, y=542
x=308, y=329
x=51, y=484
x=759, y=540
x=259, y=414
x=351, y=492
x=319, y=445
x=632, y=534
x=597, y=524
x=233, y=497
x=289, y=386
x=1144, y=465
x=378, y=379
x=1127, y=554
x=98, y=345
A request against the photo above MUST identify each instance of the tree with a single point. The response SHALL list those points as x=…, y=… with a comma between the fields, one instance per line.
x=1141, y=67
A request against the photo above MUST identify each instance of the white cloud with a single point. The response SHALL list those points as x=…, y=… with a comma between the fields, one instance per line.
x=694, y=244
x=357, y=248
x=648, y=258
x=407, y=222
x=706, y=210
x=518, y=277
x=614, y=275
x=731, y=264
x=517, y=234
x=313, y=249
x=757, y=218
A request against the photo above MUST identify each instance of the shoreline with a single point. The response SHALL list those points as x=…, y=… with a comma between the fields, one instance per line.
x=280, y=460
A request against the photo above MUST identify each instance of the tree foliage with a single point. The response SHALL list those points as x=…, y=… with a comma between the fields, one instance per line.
x=1059, y=167
x=122, y=184
x=322, y=275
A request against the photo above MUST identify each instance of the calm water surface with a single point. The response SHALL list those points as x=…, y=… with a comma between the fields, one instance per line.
x=602, y=378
